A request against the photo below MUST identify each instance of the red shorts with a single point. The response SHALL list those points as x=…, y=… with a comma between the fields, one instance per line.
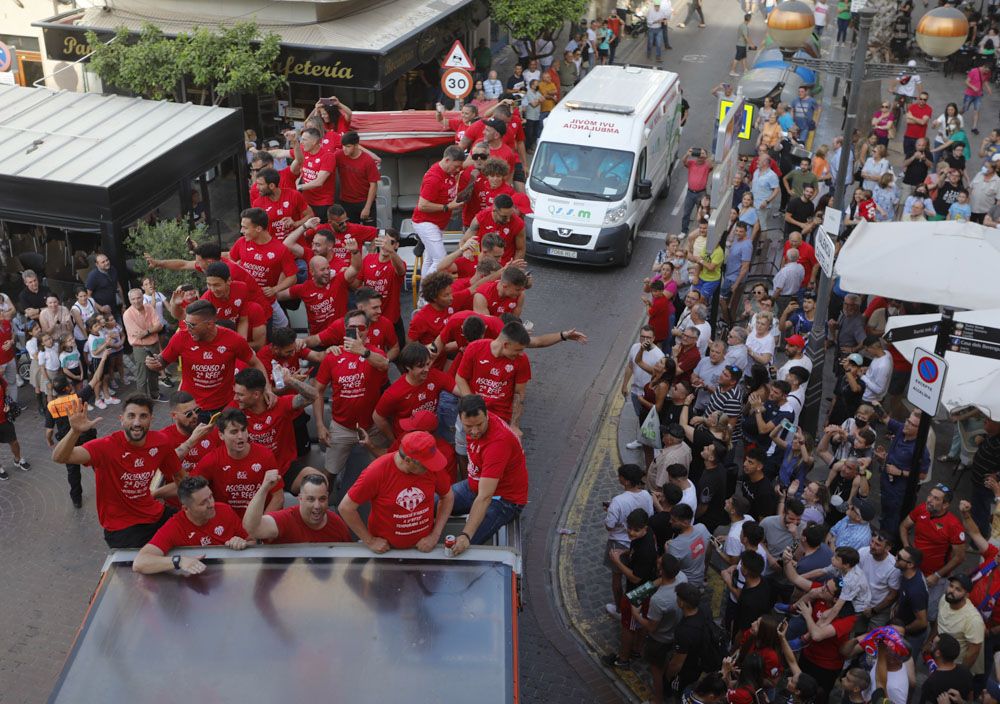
x=625, y=608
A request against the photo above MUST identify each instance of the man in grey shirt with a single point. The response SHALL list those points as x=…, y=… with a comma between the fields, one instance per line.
x=690, y=544
x=660, y=621
x=780, y=532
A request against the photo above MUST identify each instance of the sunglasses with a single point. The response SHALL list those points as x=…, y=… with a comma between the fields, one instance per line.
x=357, y=327
x=477, y=157
x=192, y=412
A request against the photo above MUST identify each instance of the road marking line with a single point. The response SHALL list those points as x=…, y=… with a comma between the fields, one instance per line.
x=680, y=202
x=651, y=235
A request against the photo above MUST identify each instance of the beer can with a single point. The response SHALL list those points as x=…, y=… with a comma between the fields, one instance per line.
x=449, y=543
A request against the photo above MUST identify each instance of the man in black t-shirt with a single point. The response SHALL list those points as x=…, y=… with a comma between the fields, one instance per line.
x=753, y=599
x=638, y=564
x=949, y=674
x=31, y=299
x=757, y=489
x=799, y=212
x=691, y=640
x=712, y=487
x=916, y=168
x=57, y=421
x=664, y=500
x=948, y=192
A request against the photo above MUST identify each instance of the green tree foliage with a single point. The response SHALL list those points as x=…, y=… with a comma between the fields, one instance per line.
x=531, y=19
x=166, y=239
x=224, y=62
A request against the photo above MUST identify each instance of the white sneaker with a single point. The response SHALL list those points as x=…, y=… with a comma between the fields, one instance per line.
x=612, y=610
x=112, y=399
x=634, y=445
x=100, y=404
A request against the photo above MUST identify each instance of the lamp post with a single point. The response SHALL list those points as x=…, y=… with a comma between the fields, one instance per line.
x=940, y=33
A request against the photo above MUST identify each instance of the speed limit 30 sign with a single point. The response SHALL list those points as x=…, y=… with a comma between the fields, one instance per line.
x=456, y=83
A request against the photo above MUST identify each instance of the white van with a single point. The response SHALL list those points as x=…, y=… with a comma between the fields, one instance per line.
x=604, y=151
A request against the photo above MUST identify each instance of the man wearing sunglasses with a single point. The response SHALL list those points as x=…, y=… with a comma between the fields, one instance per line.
x=940, y=536
x=917, y=117
x=192, y=439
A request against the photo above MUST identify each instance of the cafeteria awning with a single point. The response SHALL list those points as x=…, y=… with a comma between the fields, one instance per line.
x=368, y=48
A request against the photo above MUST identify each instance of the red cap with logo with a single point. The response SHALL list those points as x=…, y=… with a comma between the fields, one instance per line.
x=421, y=420
x=421, y=447
x=796, y=340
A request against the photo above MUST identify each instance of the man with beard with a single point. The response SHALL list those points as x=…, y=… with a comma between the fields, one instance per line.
x=326, y=292
x=381, y=331
x=124, y=463
x=202, y=522
x=959, y=618
x=418, y=389
x=311, y=521
x=192, y=439
x=208, y=356
x=235, y=470
x=940, y=536
x=266, y=258
x=502, y=220
x=233, y=303
x=272, y=424
x=285, y=207
x=897, y=463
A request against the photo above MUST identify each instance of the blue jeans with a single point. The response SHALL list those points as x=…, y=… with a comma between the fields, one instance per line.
x=690, y=201
x=655, y=38
x=447, y=413
x=499, y=513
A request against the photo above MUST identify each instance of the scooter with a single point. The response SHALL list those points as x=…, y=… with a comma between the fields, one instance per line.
x=637, y=26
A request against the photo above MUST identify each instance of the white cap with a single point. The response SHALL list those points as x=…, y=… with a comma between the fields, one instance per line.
x=911, y=63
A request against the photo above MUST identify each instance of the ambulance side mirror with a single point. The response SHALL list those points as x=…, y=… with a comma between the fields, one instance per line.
x=643, y=189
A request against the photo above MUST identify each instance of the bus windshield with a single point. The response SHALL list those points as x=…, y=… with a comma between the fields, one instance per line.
x=579, y=171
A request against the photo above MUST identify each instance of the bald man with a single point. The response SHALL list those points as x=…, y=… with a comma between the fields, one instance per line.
x=325, y=292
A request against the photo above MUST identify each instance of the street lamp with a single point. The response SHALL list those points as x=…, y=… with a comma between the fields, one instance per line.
x=940, y=33
x=790, y=25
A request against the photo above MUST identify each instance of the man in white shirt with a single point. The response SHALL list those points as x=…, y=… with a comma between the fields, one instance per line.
x=879, y=567
x=635, y=376
x=879, y=372
x=492, y=86
x=794, y=347
x=788, y=280
x=633, y=496
x=657, y=17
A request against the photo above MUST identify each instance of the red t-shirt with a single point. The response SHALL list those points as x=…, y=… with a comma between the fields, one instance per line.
x=495, y=303
x=331, y=141
x=340, y=256
x=402, y=399
x=356, y=175
x=427, y=322
x=292, y=529
x=919, y=111
x=383, y=278
x=935, y=536
x=507, y=231
x=235, y=481
x=513, y=135
x=985, y=587
x=499, y=455
x=201, y=448
x=207, y=368
x=232, y=308
x=122, y=473
x=381, y=333
x=179, y=531
x=470, y=208
x=826, y=653
x=686, y=362
x=266, y=263
x=661, y=313
x=494, y=378
x=458, y=126
x=312, y=165
x=507, y=154
x=323, y=304
x=807, y=258
x=483, y=197
x=289, y=204
x=273, y=429
x=867, y=210
x=355, y=386
x=402, y=505
x=452, y=332
x=436, y=187
x=286, y=179
x=266, y=355
x=6, y=335
x=465, y=269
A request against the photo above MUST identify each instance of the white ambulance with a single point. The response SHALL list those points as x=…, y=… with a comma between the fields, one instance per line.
x=605, y=149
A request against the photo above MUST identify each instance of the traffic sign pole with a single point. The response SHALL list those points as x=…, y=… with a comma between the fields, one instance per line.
x=923, y=430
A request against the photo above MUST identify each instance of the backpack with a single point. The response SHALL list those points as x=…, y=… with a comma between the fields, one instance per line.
x=716, y=647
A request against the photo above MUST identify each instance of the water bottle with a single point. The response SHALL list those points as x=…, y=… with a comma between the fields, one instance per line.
x=640, y=593
x=276, y=376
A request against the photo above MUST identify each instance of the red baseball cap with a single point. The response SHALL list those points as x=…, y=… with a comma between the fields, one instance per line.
x=421, y=420
x=421, y=447
x=522, y=202
x=796, y=340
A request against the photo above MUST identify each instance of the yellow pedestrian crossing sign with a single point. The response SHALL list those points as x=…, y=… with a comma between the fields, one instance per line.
x=726, y=105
